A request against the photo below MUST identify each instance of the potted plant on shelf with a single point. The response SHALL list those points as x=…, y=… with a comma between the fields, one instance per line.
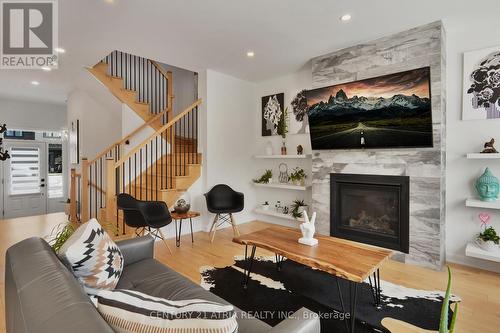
x=266, y=178
x=298, y=176
x=282, y=129
x=265, y=205
x=298, y=208
x=487, y=239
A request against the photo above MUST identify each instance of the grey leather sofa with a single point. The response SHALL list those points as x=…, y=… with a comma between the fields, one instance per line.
x=42, y=296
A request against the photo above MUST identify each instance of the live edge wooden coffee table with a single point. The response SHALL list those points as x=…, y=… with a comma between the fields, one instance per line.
x=344, y=259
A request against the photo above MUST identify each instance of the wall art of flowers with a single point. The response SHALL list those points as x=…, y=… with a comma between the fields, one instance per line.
x=272, y=107
x=481, y=98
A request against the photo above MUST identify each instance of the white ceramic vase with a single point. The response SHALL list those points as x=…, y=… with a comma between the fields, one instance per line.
x=489, y=246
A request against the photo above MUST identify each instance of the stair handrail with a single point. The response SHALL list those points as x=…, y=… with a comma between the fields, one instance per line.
x=158, y=132
x=128, y=136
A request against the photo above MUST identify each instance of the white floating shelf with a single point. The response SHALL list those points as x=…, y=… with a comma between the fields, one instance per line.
x=284, y=186
x=472, y=250
x=284, y=156
x=274, y=213
x=479, y=156
x=482, y=204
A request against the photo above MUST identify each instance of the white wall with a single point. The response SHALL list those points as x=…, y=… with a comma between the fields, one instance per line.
x=29, y=115
x=465, y=137
x=231, y=129
x=100, y=123
x=184, y=84
x=290, y=85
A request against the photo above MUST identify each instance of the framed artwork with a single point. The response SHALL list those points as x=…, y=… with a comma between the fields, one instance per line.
x=272, y=108
x=299, y=123
x=74, y=142
x=481, y=88
x=387, y=111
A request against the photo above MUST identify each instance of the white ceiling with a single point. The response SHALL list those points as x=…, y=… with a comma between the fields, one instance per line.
x=216, y=34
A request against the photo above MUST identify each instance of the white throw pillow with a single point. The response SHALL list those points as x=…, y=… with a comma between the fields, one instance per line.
x=93, y=256
x=128, y=311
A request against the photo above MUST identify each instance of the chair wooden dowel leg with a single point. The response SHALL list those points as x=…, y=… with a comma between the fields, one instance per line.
x=235, y=227
x=213, y=229
x=164, y=240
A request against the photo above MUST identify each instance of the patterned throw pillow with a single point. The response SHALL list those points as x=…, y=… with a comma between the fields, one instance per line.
x=128, y=311
x=93, y=256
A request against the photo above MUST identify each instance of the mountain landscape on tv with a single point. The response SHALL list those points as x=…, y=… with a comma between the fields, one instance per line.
x=340, y=121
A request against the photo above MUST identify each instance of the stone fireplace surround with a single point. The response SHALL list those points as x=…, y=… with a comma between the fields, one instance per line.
x=415, y=48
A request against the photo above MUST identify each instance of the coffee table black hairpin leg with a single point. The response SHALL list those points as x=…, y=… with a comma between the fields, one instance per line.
x=279, y=261
x=353, y=293
x=375, y=287
x=248, y=265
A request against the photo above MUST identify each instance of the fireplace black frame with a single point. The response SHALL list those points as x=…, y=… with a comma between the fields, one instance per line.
x=399, y=242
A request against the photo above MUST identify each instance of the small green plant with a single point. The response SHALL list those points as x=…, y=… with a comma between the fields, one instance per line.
x=264, y=179
x=296, y=204
x=298, y=174
x=59, y=235
x=282, y=128
x=489, y=234
x=443, y=323
x=296, y=214
x=266, y=203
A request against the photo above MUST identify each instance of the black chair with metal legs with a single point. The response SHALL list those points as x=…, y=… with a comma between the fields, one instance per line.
x=223, y=201
x=145, y=215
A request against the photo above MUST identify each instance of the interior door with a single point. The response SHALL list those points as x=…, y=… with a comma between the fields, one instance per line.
x=25, y=179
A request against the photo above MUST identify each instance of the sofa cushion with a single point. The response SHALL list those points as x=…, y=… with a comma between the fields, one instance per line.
x=129, y=311
x=93, y=257
x=153, y=278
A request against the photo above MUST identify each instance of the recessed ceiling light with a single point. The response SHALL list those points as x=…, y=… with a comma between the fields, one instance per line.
x=35, y=83
x=59, y=50
x=46, y=68
x=250, y=54
x=346, y=17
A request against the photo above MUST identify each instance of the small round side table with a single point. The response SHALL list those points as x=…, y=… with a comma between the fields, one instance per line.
x=180, y=217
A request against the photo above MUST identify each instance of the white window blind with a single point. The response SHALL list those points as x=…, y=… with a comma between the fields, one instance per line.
x=24, y=170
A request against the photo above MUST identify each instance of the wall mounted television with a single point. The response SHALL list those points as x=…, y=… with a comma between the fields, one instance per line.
x=388, y=111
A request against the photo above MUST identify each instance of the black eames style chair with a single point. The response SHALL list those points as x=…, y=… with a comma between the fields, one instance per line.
x=145, y=215
x=223, y=201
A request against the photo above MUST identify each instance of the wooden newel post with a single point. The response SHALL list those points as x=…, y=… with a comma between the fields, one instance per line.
x=72, y=197
x=110, y=190
x=85, y=190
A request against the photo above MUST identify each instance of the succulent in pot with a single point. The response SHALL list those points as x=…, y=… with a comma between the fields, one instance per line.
x=265, y=205
x=183, y=204
x=488, y=240
x=298, y=176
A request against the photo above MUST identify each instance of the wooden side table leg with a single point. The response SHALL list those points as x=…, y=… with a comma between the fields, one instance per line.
x=191, y=224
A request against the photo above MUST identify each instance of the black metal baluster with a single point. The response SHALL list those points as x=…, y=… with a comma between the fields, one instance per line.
x=146, y=172
x=140, y=173
x=135, y=175
x=151, y=167
x=156, y=164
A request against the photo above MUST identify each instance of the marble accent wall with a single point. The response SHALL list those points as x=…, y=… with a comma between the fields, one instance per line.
x=415, y=48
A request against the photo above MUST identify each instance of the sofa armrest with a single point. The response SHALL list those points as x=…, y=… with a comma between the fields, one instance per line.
x=136, y=249
x=302, y=321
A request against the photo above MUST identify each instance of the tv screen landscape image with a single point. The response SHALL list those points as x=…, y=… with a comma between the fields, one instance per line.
x=383, y=112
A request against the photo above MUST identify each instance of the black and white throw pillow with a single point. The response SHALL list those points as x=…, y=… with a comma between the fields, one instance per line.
x=128, y=311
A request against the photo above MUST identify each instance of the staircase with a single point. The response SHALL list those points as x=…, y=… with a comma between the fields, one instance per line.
x=162, y=166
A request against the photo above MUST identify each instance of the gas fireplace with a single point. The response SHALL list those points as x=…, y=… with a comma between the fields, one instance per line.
x=371, y=209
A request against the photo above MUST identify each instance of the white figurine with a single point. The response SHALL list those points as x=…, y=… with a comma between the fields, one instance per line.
x=308, y=229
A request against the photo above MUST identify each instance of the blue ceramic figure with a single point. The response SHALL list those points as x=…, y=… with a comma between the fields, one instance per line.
x=487, y=186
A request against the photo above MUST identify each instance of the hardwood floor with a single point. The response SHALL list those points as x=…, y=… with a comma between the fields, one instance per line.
x=479, y=290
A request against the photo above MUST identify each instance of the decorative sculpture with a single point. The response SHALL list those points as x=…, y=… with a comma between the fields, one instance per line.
x=283, y=169
x=487, y=186
x=489, y=147
x=300, y=150
x=308, y=229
